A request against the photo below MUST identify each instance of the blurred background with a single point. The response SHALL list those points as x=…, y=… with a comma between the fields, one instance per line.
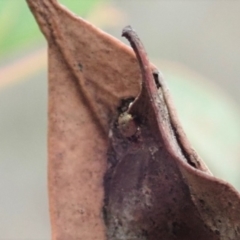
x=196, y=45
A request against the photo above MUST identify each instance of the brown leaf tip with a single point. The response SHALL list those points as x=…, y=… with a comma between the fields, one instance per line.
x=131, y=36
x=126, y=31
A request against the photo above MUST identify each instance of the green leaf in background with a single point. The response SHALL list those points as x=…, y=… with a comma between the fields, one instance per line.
x=80, y=7
x=19, y=30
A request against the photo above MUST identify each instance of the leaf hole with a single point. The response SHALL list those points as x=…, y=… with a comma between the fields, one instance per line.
x=157, y=82
x=124, y=104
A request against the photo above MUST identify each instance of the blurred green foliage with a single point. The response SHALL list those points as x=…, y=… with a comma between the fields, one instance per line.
x=19, y=30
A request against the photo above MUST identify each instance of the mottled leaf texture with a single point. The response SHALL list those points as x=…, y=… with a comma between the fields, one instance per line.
x=141, y=179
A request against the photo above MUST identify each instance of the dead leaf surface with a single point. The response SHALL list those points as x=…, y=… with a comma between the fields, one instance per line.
x=90, y=73
x=156, y=187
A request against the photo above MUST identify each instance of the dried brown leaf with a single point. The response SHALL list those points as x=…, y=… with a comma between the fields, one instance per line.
x=156, y=186
x=90, y=73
